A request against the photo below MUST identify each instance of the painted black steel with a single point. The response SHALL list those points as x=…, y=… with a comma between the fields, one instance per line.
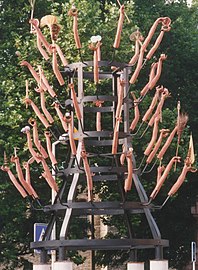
x=66, y=204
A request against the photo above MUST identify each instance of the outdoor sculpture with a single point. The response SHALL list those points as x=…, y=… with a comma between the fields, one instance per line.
x=118, y=141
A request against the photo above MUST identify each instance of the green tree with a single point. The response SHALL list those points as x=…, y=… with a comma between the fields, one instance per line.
x=179, y=75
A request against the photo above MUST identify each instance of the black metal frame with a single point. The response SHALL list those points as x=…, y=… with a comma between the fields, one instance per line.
x=70, y=207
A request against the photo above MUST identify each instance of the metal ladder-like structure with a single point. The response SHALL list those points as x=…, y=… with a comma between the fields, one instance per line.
x=99, y=145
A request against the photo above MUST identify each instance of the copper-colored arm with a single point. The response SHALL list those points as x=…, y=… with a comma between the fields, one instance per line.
x=75, y=30
x=37, y=112
x=160, y=170
x=115, y=136
x=49, y=148
x=167, y=143
x=153, y=104
x=94, y=48
x=151, y=33
x=61, y=55
x=163, y=134
x=164, y=176
x=74, y=12
x=61, y=117
x=44, y=109
x=151, y=77
x=37, y=142
x=136, y=55
x=88, y=174
x=48, y=176
x=155, y=46
x=40, y=48
x=165, y=28
x=123, y=155
x=180, y=179
x=40, y=35
x=119, y=28
x=47, y=86
x=165, y=94
x=138, y=67
x=27, y=187
x=71, y=136
x=14, y=181
x=26, y=166
x=136, y=113
x=128, y=180
x=158, y=73
x=34, y=74
x=153, y=138
x=75, y=101
x=143, y=49
x=98, y=121
x=99, y=50
x=35, y=155
x=98, y=116
x=120, y=95
x=55, y=66
x=96, y=72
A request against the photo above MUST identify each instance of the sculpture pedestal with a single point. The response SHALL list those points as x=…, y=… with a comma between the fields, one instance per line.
x=63, y=265
x=135, y=266
x=41, y=267
x=157, y=264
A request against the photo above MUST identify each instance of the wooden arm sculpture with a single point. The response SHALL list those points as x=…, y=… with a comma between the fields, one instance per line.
x=41, y=117
x=49, y=148
x=190, y=159
x=158, y=72
x=166, y=25
x=156, y=97
x=128, y=180
x=145, y=90
x=55, y=65
x=116, y=44
x=34, y=154
x=41, y=40
x=60, y=115
x=45, y=81
x=95, y=47
x=164, y=95
x=136, y=113
x=163, y=134
x=75, y=101
x=6, y=168
x=120, y=90
x=187, y=168
x=179, y=126
x=165, y=28
x=27, y=186
x=26, y=166
x=138, y=42
x=154, y=136
x=123, y=155
x=36, y=140
x=48, y=176
x=43, y=107
x=34, y=74
x=74, y=13
x=163, y=177
x=87, y=172
x=98, y=104
x=160, y=170
x=69, y=121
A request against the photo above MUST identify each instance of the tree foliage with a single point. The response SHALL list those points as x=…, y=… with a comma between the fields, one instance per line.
x=95, y=18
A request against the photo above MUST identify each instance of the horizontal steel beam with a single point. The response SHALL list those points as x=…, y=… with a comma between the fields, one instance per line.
x=98, y=244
